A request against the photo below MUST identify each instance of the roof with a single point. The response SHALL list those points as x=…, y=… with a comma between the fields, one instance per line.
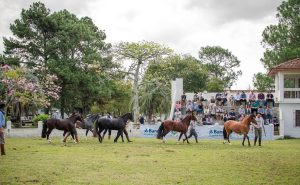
x=291, y=65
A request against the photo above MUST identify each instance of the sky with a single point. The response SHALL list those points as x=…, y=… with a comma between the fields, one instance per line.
x=183, y=25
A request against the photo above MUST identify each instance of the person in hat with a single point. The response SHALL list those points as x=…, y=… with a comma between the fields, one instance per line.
x=2, y=124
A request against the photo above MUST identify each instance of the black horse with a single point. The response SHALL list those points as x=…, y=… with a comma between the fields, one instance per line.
x=67, y=125
x=118, y=124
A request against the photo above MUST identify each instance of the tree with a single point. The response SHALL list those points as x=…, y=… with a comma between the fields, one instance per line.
x=155, y=96
x=282, y=41
x=221, y=64
x=187, y=67
x=140, y=54
x=61, y=44
x=20, y=85
x=262, y=82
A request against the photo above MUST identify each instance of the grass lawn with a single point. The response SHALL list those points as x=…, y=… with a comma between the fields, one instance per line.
x=148, y=161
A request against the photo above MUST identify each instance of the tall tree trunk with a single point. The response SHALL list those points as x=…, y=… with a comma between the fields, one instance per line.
x=135, y=92
x=62, y=101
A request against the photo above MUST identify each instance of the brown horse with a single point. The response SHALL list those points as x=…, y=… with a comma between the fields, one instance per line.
x=238, y=127
x=67, y=125
x=179, y=126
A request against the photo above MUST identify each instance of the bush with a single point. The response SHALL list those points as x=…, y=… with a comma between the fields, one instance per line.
x=40, y=117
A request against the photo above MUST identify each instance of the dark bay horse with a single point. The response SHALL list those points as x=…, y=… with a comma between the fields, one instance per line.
x=118, y=124
x=179, y=126
x=67, y=125
x=238, y=127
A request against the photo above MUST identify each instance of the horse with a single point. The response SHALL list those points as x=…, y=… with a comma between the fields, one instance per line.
x=241, y=127
x=113, y=124
x=88, y=123
x=67, y=125
x=179, y=126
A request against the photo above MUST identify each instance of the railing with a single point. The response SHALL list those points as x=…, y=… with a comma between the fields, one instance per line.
x=292, y=93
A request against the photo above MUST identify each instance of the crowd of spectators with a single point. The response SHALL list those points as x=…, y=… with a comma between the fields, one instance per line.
x=219, y=108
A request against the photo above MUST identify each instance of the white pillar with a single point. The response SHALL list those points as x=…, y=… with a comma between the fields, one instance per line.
x=176, y=92
x=8, y=126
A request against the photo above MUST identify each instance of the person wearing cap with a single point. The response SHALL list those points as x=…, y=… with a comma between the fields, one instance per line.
x=2, y=124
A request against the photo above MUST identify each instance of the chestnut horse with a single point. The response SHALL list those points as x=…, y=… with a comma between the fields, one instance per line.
x=179, y=126
x=238, y=127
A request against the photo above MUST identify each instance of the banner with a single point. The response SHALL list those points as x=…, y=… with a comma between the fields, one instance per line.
x=206, y=132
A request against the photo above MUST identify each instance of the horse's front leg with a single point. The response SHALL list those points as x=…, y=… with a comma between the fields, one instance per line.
x=186, y=138
x=65, y=138
x=48, y=134
x=99, y=135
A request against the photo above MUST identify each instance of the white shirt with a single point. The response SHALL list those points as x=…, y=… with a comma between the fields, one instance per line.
x=259, y=122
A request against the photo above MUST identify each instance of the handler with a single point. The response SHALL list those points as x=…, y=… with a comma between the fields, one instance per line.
x=2, y=124
x=258, y=129
x=192, y=131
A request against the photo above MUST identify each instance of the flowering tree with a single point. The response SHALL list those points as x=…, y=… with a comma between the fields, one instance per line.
x=21, y=85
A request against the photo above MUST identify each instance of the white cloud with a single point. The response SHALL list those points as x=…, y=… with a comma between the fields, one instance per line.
x=184, y=26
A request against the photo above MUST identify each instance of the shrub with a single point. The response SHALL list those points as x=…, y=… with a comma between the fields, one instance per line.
x=40, y=117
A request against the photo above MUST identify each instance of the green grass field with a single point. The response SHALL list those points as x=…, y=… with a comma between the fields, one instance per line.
x=148, y=161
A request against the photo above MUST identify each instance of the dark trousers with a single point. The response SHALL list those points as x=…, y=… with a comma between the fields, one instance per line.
x=193, y=133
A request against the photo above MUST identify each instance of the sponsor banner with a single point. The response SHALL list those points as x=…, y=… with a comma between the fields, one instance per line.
x=206, y=132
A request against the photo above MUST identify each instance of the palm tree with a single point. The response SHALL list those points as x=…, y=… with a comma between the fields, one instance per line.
x=155, y=97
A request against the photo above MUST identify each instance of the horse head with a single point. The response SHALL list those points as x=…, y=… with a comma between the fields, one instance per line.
x=128, y=115
x=251, y=119
x=76, y=117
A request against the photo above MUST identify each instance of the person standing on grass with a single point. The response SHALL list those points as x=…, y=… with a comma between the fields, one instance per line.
x=192, y=131
x=2, y=124
x=258, y=127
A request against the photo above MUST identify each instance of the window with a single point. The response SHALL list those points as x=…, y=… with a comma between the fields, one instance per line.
x=297, y=118
x=289, y=82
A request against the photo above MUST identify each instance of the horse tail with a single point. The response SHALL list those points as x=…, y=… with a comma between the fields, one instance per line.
x=160, y=131
x=44, y=129
x=224, y=133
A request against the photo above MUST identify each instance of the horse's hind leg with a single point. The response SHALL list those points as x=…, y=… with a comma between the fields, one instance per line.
x=248, y=140
x=244, y=140
x=228, y=134
x=126, y=135
x=180, y=136
x=104, y=133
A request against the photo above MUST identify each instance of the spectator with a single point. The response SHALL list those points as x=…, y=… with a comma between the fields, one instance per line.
x=243, y=98
x=206, y=111
x=242, y=117
x=200, y=97
x=261, y=98
x=241, y=111
x=199, y=107
x=207, y=120
x=237, y=99
x=224, y=98
x=55, y=115
x=177, y=105
x=261, y=111
x=213, y=101
x=254, y=107
x=231, y=100
x=183, y=104
x=269, y=115
x=252, y=97
x=218, y=98
x=177, y=115
x=189, y=106
x=231, y=115
x=226, y=116
x=213, y=111
x=141, y=119
x=195, y=98
x=248, y=110
x=219, y=113
x=270, y=99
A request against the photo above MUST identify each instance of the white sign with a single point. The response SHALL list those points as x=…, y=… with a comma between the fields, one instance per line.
x=205, y=132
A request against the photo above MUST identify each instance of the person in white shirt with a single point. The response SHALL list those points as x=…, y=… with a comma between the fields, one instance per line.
x=258, y=129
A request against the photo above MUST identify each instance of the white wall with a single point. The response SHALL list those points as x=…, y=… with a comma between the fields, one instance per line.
x=287, y=119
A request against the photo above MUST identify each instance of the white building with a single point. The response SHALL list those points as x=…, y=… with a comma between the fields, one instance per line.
x=287, y=95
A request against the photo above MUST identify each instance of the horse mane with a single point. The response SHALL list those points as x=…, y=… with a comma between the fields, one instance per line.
x=125, y=115
x=246, y=120
x=186, y=118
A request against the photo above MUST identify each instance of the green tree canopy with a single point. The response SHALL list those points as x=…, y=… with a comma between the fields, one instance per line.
x=262, y=82
x=221, y=64
x=282, y=41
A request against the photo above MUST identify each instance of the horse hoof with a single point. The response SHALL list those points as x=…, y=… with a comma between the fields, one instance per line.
x=129, y=141
x=49, y=141
x=229, y=143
